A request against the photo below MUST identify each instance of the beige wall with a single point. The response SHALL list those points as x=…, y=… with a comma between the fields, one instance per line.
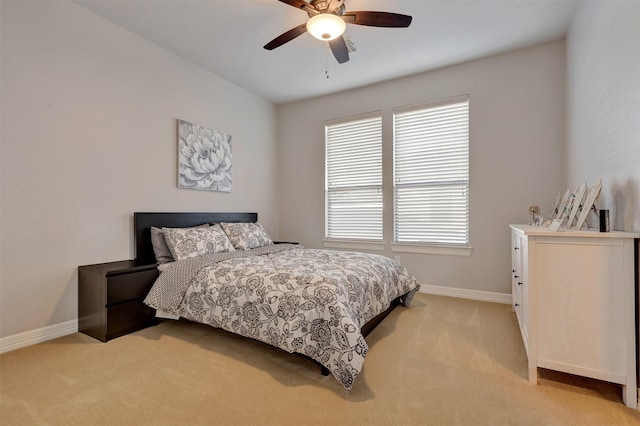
x=88, y=128
x=603, y=95
x=517, y=117
x=87, y=133
x=603, y=118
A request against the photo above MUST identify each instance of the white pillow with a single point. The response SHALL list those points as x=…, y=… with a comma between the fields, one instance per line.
x=246, y=236
x=192, y=242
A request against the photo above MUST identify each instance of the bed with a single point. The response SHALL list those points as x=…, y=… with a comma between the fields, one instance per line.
x=229, y=274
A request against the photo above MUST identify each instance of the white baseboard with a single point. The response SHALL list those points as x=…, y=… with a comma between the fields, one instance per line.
x=485, y=296
x=28, y=338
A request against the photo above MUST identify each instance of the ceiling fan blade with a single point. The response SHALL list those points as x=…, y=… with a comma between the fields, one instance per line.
x=286, y=37
x=339, y=49
x=378, y=19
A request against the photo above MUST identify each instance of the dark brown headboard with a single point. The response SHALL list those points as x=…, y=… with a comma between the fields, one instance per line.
x=142, y=223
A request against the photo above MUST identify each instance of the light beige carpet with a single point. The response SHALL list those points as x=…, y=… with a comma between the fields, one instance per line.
x=443, y=361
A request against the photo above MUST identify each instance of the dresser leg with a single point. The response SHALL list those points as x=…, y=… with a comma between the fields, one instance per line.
x=533, y=374
x=630, y=395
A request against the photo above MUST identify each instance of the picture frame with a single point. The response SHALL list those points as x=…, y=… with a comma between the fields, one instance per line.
x=589, y=204
x=555, y=225
x=556, y=206
x=576, y=202
x=563, y=206
x=204, y=158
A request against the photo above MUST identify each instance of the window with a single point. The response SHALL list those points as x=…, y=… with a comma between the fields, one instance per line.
x=353, y=188
x=431, y=173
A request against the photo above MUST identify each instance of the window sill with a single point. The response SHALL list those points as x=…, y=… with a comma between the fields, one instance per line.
x=354, y=245
x=432, y=249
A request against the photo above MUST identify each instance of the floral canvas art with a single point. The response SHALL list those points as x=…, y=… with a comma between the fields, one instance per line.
x=204, y=158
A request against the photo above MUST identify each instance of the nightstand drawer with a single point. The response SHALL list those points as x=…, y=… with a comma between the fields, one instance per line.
x=127, y=317
x=110, y=298
x=127, y=286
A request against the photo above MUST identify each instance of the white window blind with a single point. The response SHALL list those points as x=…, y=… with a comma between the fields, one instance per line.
x=431, y=173
x=353, y=187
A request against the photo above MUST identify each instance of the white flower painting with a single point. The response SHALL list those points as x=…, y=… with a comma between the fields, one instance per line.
x=204, y=158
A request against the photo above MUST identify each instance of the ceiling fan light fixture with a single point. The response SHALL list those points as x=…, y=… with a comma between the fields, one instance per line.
x=326, y=26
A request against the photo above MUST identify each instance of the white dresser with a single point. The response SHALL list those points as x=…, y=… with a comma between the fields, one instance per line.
x=573, y=293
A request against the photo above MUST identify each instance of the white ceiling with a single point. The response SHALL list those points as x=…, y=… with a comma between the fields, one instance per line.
x=226, y=37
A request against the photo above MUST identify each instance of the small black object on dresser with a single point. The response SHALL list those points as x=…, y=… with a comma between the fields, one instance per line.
x=110, y=298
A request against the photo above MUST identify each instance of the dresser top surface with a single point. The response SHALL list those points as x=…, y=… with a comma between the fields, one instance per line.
x=591, y=233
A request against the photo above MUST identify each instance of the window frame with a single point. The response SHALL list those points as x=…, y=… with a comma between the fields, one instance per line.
x=354, y=241
x=422, y=246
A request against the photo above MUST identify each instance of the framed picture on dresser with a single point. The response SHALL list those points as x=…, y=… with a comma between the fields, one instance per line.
x=576, y=203
x=589, y=204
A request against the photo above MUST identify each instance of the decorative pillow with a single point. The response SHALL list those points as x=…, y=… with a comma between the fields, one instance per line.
x=160, y=248
x=246, y=236
x=192, y=242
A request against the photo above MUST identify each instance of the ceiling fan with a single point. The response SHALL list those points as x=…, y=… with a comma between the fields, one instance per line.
x=328, y=20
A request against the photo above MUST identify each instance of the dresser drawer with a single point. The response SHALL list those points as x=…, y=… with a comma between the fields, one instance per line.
x=110, y=298
x=517, y=303
x=127, y=317
x=129, y=286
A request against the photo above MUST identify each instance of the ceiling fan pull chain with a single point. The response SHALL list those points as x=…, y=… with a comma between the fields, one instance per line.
x=326, y=60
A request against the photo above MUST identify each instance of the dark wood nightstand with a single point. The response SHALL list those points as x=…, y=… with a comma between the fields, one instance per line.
x=110, y=298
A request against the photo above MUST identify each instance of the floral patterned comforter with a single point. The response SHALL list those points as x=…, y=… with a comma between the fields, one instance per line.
x=311, y=302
